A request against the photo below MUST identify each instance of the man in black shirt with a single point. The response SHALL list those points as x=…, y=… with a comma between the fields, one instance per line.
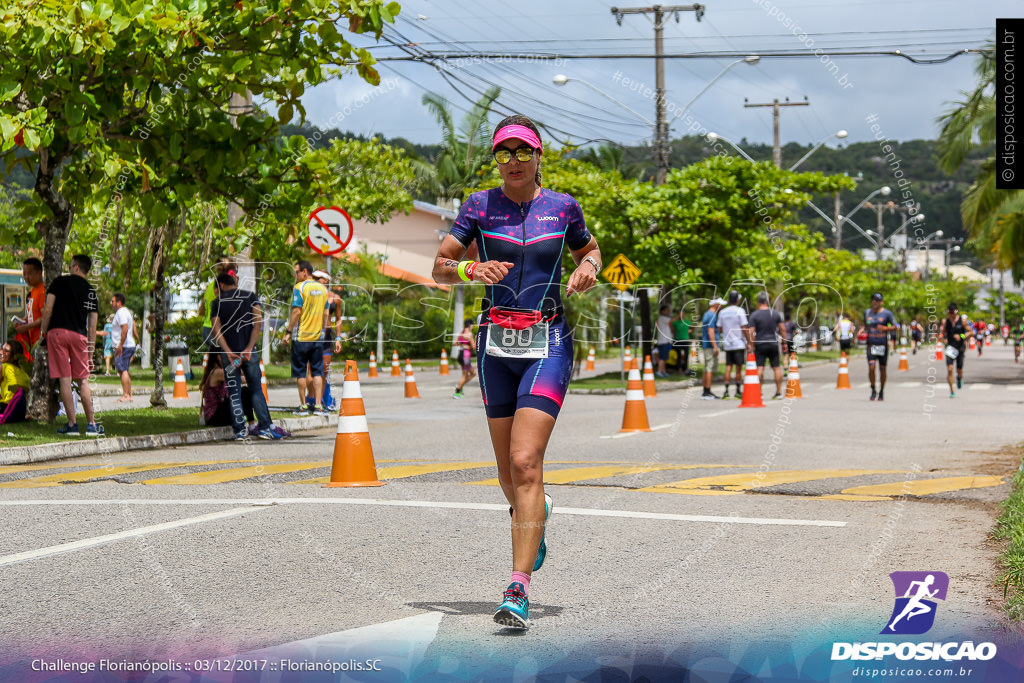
x=954, y=335
x=69, y=328
x=766, y=329
x=237, y=319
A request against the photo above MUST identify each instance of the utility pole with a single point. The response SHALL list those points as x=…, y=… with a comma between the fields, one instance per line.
x=661, y=150
x=838, y=224
x=775, y=104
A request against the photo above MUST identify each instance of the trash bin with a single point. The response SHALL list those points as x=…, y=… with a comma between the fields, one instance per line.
x=174, y=353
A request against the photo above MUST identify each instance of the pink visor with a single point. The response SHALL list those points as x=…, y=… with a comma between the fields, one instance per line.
x=520, y=133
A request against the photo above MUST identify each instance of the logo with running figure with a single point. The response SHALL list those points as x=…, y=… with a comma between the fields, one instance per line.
x=916, y=593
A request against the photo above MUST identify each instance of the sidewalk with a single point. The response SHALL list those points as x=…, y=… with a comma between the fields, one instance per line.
x=23, y=455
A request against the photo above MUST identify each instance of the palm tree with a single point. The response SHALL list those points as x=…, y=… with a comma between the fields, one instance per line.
x=611, y=158
x=464, y=151
x=994, y=218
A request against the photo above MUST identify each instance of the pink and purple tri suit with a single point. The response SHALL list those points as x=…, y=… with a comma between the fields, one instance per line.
x=532, y=236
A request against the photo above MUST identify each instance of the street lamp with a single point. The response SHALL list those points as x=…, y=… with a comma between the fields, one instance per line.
x=838, y=134
x=562, y=79
x=749, y=59
x=715, y=136
x=945, y=258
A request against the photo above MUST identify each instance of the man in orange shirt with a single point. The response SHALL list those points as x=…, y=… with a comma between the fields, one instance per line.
x=28, y=332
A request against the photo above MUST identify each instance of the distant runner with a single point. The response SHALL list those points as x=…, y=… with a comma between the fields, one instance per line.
x=878, y=322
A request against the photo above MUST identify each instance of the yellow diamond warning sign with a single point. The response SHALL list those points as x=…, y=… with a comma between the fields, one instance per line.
x=621, y=272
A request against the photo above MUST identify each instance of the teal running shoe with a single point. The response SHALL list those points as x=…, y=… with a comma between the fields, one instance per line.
x=514, y=610
x=542, y=550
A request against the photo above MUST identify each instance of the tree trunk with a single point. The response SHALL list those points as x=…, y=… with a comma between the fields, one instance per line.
x=43, y=404
x=156, y=399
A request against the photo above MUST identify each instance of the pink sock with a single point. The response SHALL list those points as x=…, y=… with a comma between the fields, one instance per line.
x=519, y=577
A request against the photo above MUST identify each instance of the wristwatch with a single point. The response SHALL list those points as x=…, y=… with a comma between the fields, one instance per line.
x=593, y=262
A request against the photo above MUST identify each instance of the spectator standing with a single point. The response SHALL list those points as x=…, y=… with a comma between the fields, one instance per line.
x=331, y=337
x=732, y=320
x=681, y=341
x=709, y=345
x=767, y=329
x=309, y=317
x=664, y=331
x=123, y=339
x=14, y=383
x=69, y=331
x=223, y=265
x=237, y=320
x=108, y=344
x=28, y=332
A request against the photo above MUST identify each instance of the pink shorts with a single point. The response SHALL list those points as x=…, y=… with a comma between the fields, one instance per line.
x=67, y=354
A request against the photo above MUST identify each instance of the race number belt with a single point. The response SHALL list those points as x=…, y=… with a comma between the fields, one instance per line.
x=516, y=333
x=878, y=350
x=951, y=352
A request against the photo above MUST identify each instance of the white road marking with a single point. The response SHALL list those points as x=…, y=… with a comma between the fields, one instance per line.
x=622, y=435
x=1015, y=387
x=982, y=386
x=399, y=645
x=719, y=413
x=908, y=385
x=121, y=535
x=440, y=504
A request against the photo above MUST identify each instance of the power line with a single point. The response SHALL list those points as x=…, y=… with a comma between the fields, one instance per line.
x=691, y=55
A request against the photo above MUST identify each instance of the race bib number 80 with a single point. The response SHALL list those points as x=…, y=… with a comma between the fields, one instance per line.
x=503, y=342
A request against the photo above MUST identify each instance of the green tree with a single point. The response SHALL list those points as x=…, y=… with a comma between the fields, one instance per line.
x=140, y=96
x=994, y=218
x=465, y=151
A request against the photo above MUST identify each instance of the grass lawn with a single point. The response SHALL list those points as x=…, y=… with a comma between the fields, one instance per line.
x=131, y=422
x=1010, y=530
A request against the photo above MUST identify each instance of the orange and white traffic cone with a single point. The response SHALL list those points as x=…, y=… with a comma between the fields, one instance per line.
x=814, y=344
x=971, y=344
x=649, y=388
x=373, y=364
x=634, y=417
x=410, y=381
x=904, y=365
x=263, y=381
x=843, y=379
x=590, y=359
x=180, y=390
x=988, y=341
x=793, y=383
x=627, y=360
x=444, y=363
x=751, y=386
x=938, y=350
x=353, y=454
x=693, y=354
x=396, y=369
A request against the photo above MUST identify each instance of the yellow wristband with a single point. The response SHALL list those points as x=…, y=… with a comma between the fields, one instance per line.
x=465, y=270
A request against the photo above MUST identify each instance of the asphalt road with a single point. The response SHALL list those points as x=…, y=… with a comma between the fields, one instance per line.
x=723, y=525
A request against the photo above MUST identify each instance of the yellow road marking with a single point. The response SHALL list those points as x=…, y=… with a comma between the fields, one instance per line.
x=235, y=474
x=11, y=469
x=840, y=496
x=82, y=476
x=730, y=484
x=410, y=471
x=924, y=487
x=574, y=474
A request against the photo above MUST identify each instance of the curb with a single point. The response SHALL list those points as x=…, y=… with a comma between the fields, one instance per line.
x=23, y=455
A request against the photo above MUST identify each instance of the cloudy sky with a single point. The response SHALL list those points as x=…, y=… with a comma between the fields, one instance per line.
x=842, y=92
